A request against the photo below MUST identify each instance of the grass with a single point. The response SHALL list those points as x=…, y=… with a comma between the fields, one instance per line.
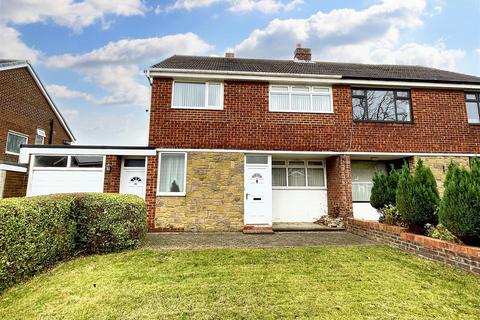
x=323, y=283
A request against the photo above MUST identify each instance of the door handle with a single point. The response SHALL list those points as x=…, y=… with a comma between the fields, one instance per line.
x=246, y=196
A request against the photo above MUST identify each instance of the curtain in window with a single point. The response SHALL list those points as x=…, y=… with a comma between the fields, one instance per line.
x=14, y=141
x=172, y=172
x=214, y=95
x=279, y=102
x=315, y=177
x=361, y=191
x=189, y=94
x=301, y=102
x=321, y=103
x=296, y=177
x=279, y=177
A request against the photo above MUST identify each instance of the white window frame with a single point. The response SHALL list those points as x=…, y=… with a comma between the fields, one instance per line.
x=69, y=162
x=306, y=166
x=290, y=92
x=18, y=134
x=40, y=133
x=206, y=106
x=172, y=194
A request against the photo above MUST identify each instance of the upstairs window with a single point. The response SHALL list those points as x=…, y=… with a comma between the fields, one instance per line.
x=198, y=95
x=40, y=136
x=14, y=141
x=472, y=100
x=284, y=98
x=381, y=105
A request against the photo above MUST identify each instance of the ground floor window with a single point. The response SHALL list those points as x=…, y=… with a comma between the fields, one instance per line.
x=362, y=178
x=172, y=174
x=298, y=173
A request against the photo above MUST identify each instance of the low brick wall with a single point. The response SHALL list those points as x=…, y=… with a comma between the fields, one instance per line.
x=459, y=256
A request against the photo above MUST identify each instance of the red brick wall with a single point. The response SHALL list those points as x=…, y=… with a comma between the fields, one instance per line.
x=112, y=180
x=440, y=124
x=23, y=109
x=15, y=184
x=339, y=184
x=455, y=255
x=151, y=190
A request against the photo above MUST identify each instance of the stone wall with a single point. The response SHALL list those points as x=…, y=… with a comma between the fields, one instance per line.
x=452, y=254
x=214, y=196
x=439, y=167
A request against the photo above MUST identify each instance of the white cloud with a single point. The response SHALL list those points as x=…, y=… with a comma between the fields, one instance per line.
x=478, y=51
x=115, y=66
x=12, y=47
x=59, y=91
x=67, y=13
x=265, y=6
x=371, y=35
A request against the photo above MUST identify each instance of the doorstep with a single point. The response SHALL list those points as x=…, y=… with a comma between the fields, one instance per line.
x=257, y=229
x=302, y=226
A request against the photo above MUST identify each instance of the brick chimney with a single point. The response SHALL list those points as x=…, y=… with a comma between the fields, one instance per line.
x=302, y=54
x=229, y=54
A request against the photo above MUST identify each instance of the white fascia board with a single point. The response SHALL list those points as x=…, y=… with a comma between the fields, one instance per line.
x=13, y=65
x=11, y=167
x=326, y=153
x=26, y=152
x=299, y=78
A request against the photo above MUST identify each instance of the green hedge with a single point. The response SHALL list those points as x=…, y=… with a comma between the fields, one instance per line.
x=39, y=231
x=110, y=222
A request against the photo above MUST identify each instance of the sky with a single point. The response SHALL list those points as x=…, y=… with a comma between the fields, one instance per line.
x=91, y=54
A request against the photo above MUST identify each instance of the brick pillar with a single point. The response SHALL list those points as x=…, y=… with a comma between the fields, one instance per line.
x=339, y=183
x=151, y=190
x=111, y=182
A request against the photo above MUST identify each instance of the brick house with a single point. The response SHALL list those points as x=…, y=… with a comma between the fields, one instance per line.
x=28, y=116
x=243, y=143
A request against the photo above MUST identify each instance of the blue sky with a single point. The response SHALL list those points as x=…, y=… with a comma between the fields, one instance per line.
x=91, y=54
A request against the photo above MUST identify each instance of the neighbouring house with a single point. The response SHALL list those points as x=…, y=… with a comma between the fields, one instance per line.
x=28, y=115
x=247, y=143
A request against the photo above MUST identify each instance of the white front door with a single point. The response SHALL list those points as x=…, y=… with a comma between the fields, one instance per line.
x=132, y=178
x=258, y=190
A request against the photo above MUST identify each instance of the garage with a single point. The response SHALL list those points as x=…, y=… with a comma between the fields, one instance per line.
x=65, y=174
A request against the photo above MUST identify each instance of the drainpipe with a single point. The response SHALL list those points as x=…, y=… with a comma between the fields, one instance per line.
x=50, y=138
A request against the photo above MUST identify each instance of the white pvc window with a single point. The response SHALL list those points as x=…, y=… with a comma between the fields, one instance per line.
x=14, y=141
x=198, y=95
x=298, y=174
x=172, y=174
x=284, y=98
x=40, y=136
x=87, y=162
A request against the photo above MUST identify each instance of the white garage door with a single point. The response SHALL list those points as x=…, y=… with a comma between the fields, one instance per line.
x=65, y=174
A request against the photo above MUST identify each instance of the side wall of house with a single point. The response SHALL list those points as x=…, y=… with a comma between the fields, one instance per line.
x=24, y=109
x=214, y=196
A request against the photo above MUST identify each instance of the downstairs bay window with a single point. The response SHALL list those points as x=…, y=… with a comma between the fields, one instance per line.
x=197, y=95
x=172, y=169
x=298, y=174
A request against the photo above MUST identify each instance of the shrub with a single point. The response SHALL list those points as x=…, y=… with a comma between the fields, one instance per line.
x=441, y=233
x=417, y=197
x=460, y=206
x=109, y=222
x=391, y=216
x=39, y=231
x=384, y=189
x=34, y=233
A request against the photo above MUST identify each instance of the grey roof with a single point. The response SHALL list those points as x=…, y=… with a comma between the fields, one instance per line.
x=346, y=70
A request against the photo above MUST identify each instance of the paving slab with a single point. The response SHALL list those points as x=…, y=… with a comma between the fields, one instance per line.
x=240, y=240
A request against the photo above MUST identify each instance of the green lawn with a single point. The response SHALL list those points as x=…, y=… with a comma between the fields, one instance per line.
x=325, y=283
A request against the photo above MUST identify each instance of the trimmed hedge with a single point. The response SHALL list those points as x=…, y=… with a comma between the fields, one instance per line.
x=108, y=222
x=36, y=232
x=460, y=207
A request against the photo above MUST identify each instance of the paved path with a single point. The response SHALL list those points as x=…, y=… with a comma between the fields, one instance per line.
x=240, y=240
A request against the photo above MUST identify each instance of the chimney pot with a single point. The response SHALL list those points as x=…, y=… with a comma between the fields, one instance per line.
x=302, y=54
x=229, y=55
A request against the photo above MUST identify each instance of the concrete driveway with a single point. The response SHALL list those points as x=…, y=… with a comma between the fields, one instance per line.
x=240, y=240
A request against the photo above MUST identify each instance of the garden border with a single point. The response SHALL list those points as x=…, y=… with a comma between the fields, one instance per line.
x=459, y=256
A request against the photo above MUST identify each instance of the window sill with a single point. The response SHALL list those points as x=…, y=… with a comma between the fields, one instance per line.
x=12, y=153
x=290, y=111
x=171, y=194
x=383, y=122
x=474, y=123
x=198, y=108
